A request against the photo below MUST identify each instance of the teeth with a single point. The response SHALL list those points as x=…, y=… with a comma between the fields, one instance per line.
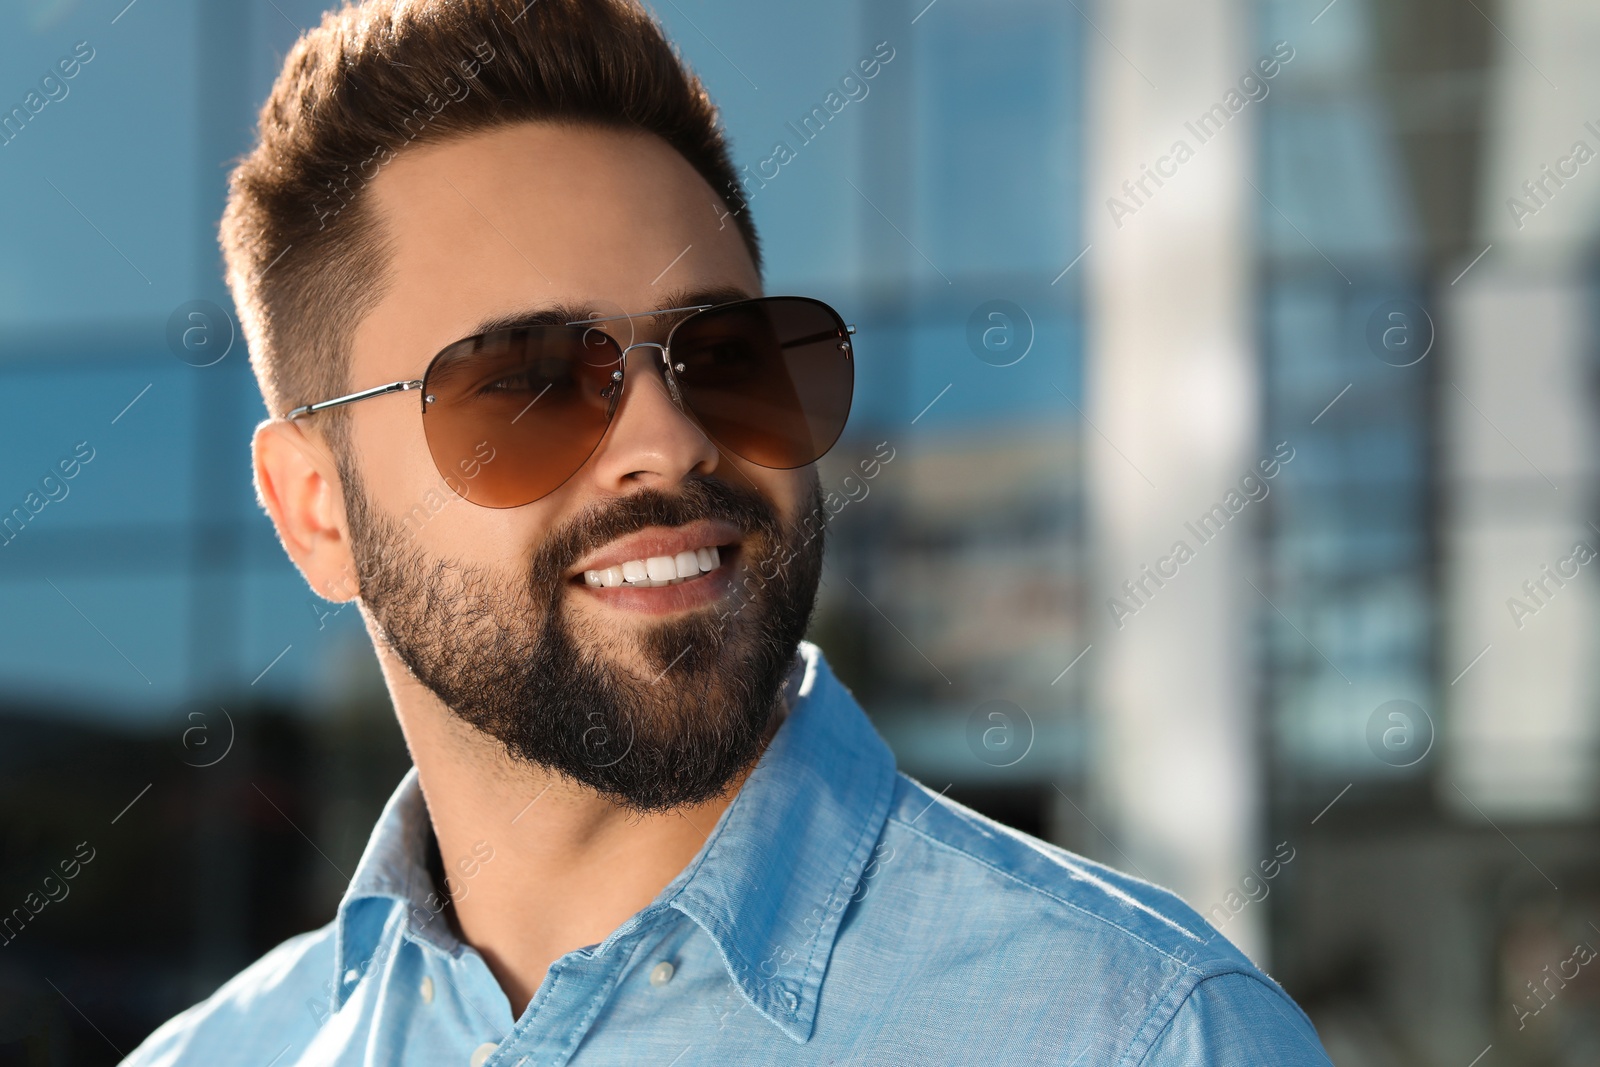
x=656, y=571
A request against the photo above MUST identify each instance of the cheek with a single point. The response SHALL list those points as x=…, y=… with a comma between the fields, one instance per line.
x=388, y=443
x=789, y=492
x=499, y=541
x=400, y=479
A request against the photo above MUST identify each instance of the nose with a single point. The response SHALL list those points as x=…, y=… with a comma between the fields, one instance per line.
x=651, y=441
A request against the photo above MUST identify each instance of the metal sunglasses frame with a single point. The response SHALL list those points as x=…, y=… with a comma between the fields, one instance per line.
x=616, y=376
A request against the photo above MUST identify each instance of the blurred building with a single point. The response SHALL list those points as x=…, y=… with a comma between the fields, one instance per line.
x=1075, y=342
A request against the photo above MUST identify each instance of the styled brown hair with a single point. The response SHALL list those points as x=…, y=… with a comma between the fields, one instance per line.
x=305, y=256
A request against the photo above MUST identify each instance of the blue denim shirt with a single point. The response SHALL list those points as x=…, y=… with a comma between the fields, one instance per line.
x=838, y=913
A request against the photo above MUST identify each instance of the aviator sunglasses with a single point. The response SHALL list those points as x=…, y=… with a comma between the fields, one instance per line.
x=518, y=411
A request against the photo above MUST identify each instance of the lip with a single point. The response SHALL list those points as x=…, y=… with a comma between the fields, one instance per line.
x=659, y=541
x=709, y=587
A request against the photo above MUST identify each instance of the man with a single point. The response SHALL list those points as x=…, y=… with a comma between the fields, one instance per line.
x=533, y=411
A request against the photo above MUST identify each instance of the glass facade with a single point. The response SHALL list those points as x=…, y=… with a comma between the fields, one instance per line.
x=1348, y=549
x=149, y=611
x=940, y=204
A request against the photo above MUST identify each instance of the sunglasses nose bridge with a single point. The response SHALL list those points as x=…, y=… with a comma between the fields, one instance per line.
x=666, y=369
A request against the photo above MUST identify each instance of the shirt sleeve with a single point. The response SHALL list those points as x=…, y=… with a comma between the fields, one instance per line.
x=1236, y=1020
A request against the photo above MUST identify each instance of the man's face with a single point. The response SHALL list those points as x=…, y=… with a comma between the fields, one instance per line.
x=654, y=696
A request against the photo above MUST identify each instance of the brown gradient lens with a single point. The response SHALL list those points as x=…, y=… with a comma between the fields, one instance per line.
x=512, y=414
x=770, y=379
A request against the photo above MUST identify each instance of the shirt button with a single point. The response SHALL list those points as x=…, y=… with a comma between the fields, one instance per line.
x=482, y=1053
x=427, y=990
x=789, y=1000
x=662, y=973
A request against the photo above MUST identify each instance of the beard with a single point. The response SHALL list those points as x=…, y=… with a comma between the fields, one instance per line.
x=507, y=657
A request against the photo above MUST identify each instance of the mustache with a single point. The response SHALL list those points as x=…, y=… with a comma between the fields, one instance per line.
x=700, y=498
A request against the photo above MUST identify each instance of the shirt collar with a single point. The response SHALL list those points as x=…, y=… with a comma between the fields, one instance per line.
x=393, y=867
x=769, y=886
x=774, y=877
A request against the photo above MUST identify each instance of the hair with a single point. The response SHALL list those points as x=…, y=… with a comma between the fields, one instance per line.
x=305, y=254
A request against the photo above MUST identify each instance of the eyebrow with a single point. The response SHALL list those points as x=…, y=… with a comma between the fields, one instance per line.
x=563, y=314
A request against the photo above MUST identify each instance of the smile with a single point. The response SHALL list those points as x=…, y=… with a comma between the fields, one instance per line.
x=654, y=571
x=641, y=572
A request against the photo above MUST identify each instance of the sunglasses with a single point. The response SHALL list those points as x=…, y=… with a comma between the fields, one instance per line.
x=510, y=415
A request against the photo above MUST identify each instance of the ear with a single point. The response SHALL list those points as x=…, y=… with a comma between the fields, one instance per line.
x=298, y=484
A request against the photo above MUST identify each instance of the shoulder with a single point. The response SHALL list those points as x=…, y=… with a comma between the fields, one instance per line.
x=276, y=998
x=1054, y=884
x=1128, y=958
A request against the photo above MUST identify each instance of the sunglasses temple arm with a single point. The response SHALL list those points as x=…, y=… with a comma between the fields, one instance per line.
x=365, y=394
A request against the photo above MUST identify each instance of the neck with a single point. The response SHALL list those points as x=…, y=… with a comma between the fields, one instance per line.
x=535, y=864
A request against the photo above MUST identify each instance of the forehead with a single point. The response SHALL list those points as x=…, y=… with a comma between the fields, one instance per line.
x=522, y=219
